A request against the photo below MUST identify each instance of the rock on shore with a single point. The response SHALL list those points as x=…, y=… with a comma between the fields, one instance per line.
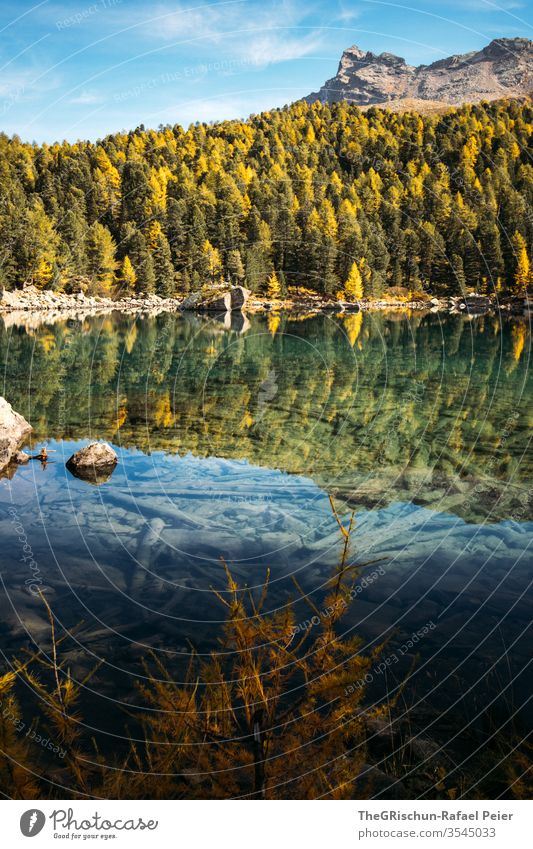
x=13, y=429
x=32, y=299
x=27, y=305
x=233, y=299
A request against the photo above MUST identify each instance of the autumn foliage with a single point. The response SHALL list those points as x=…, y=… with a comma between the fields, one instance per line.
x=321, y=195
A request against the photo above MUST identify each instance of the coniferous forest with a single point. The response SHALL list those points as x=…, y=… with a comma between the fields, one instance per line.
x=325, y=196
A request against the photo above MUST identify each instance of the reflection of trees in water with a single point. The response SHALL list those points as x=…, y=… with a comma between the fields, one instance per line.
x=347, y=395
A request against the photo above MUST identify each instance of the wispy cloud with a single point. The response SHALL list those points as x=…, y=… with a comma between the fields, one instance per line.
x=14, y=82
x=272, y=47
x=27, y=82
x=180, y=23
x=258, y=34
x=86, y=98
x=347, y=14
x=489, y=6
x=218, y=109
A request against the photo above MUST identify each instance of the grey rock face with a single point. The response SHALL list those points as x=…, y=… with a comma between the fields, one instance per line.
x=224, y=302
x=191, y=302
x=221, y=304
x=501, y=69
x=239, y=295
x=95, y=463
x=13, y=429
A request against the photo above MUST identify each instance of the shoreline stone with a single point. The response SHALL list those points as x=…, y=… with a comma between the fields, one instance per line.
x=13, y=429
x=31, y=300
x=239, y=295
x=232, y=300
x=219, y=305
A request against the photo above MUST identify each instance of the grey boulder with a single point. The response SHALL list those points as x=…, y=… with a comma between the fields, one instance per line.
x=191, y=302
x=94, y=463
x=13, y=429
x=233, y=300
x=220, y=304
x=239, y=295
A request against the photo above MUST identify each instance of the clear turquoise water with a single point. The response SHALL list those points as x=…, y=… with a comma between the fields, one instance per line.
x=229, y=443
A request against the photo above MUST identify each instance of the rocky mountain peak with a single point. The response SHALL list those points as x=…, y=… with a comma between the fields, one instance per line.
x=503, y=68
x=507, y=46
x=354, y=56
x=355, y=52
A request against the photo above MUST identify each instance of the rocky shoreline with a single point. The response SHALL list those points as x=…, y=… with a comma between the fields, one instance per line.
x=31, y=299
x=221, y=299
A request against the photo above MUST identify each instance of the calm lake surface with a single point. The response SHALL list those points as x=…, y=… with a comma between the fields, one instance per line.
x=230, y=440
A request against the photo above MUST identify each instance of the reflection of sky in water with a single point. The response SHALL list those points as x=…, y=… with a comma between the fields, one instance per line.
x=135, y=560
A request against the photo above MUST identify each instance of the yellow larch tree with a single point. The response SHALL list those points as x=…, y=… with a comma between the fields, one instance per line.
x=522, y=274
x=273, y=287
x=213, y=260
x=127, y=277
x=353, y=288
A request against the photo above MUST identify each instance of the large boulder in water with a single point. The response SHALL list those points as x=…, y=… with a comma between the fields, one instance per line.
x=95, y=463
x=13, y=429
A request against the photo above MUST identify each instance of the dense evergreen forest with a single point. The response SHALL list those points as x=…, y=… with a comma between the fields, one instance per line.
x=323, y=196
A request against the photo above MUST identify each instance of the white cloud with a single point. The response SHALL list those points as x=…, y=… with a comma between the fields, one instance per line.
x=218, y=109
x=27, y=84
x=222, y=108
x=346, y=14
x=258, y=34
x=179, y=23
x=271, y=47
x=14, y=84
x=86, y=98
x=490, y=6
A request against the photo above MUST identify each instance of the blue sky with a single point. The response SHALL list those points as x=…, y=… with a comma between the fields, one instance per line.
x=87, y=68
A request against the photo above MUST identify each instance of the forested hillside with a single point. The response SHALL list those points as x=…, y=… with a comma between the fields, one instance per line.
x=327, y=197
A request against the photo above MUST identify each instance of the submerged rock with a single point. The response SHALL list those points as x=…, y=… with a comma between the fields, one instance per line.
x=95, y=463
x=13, y=429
